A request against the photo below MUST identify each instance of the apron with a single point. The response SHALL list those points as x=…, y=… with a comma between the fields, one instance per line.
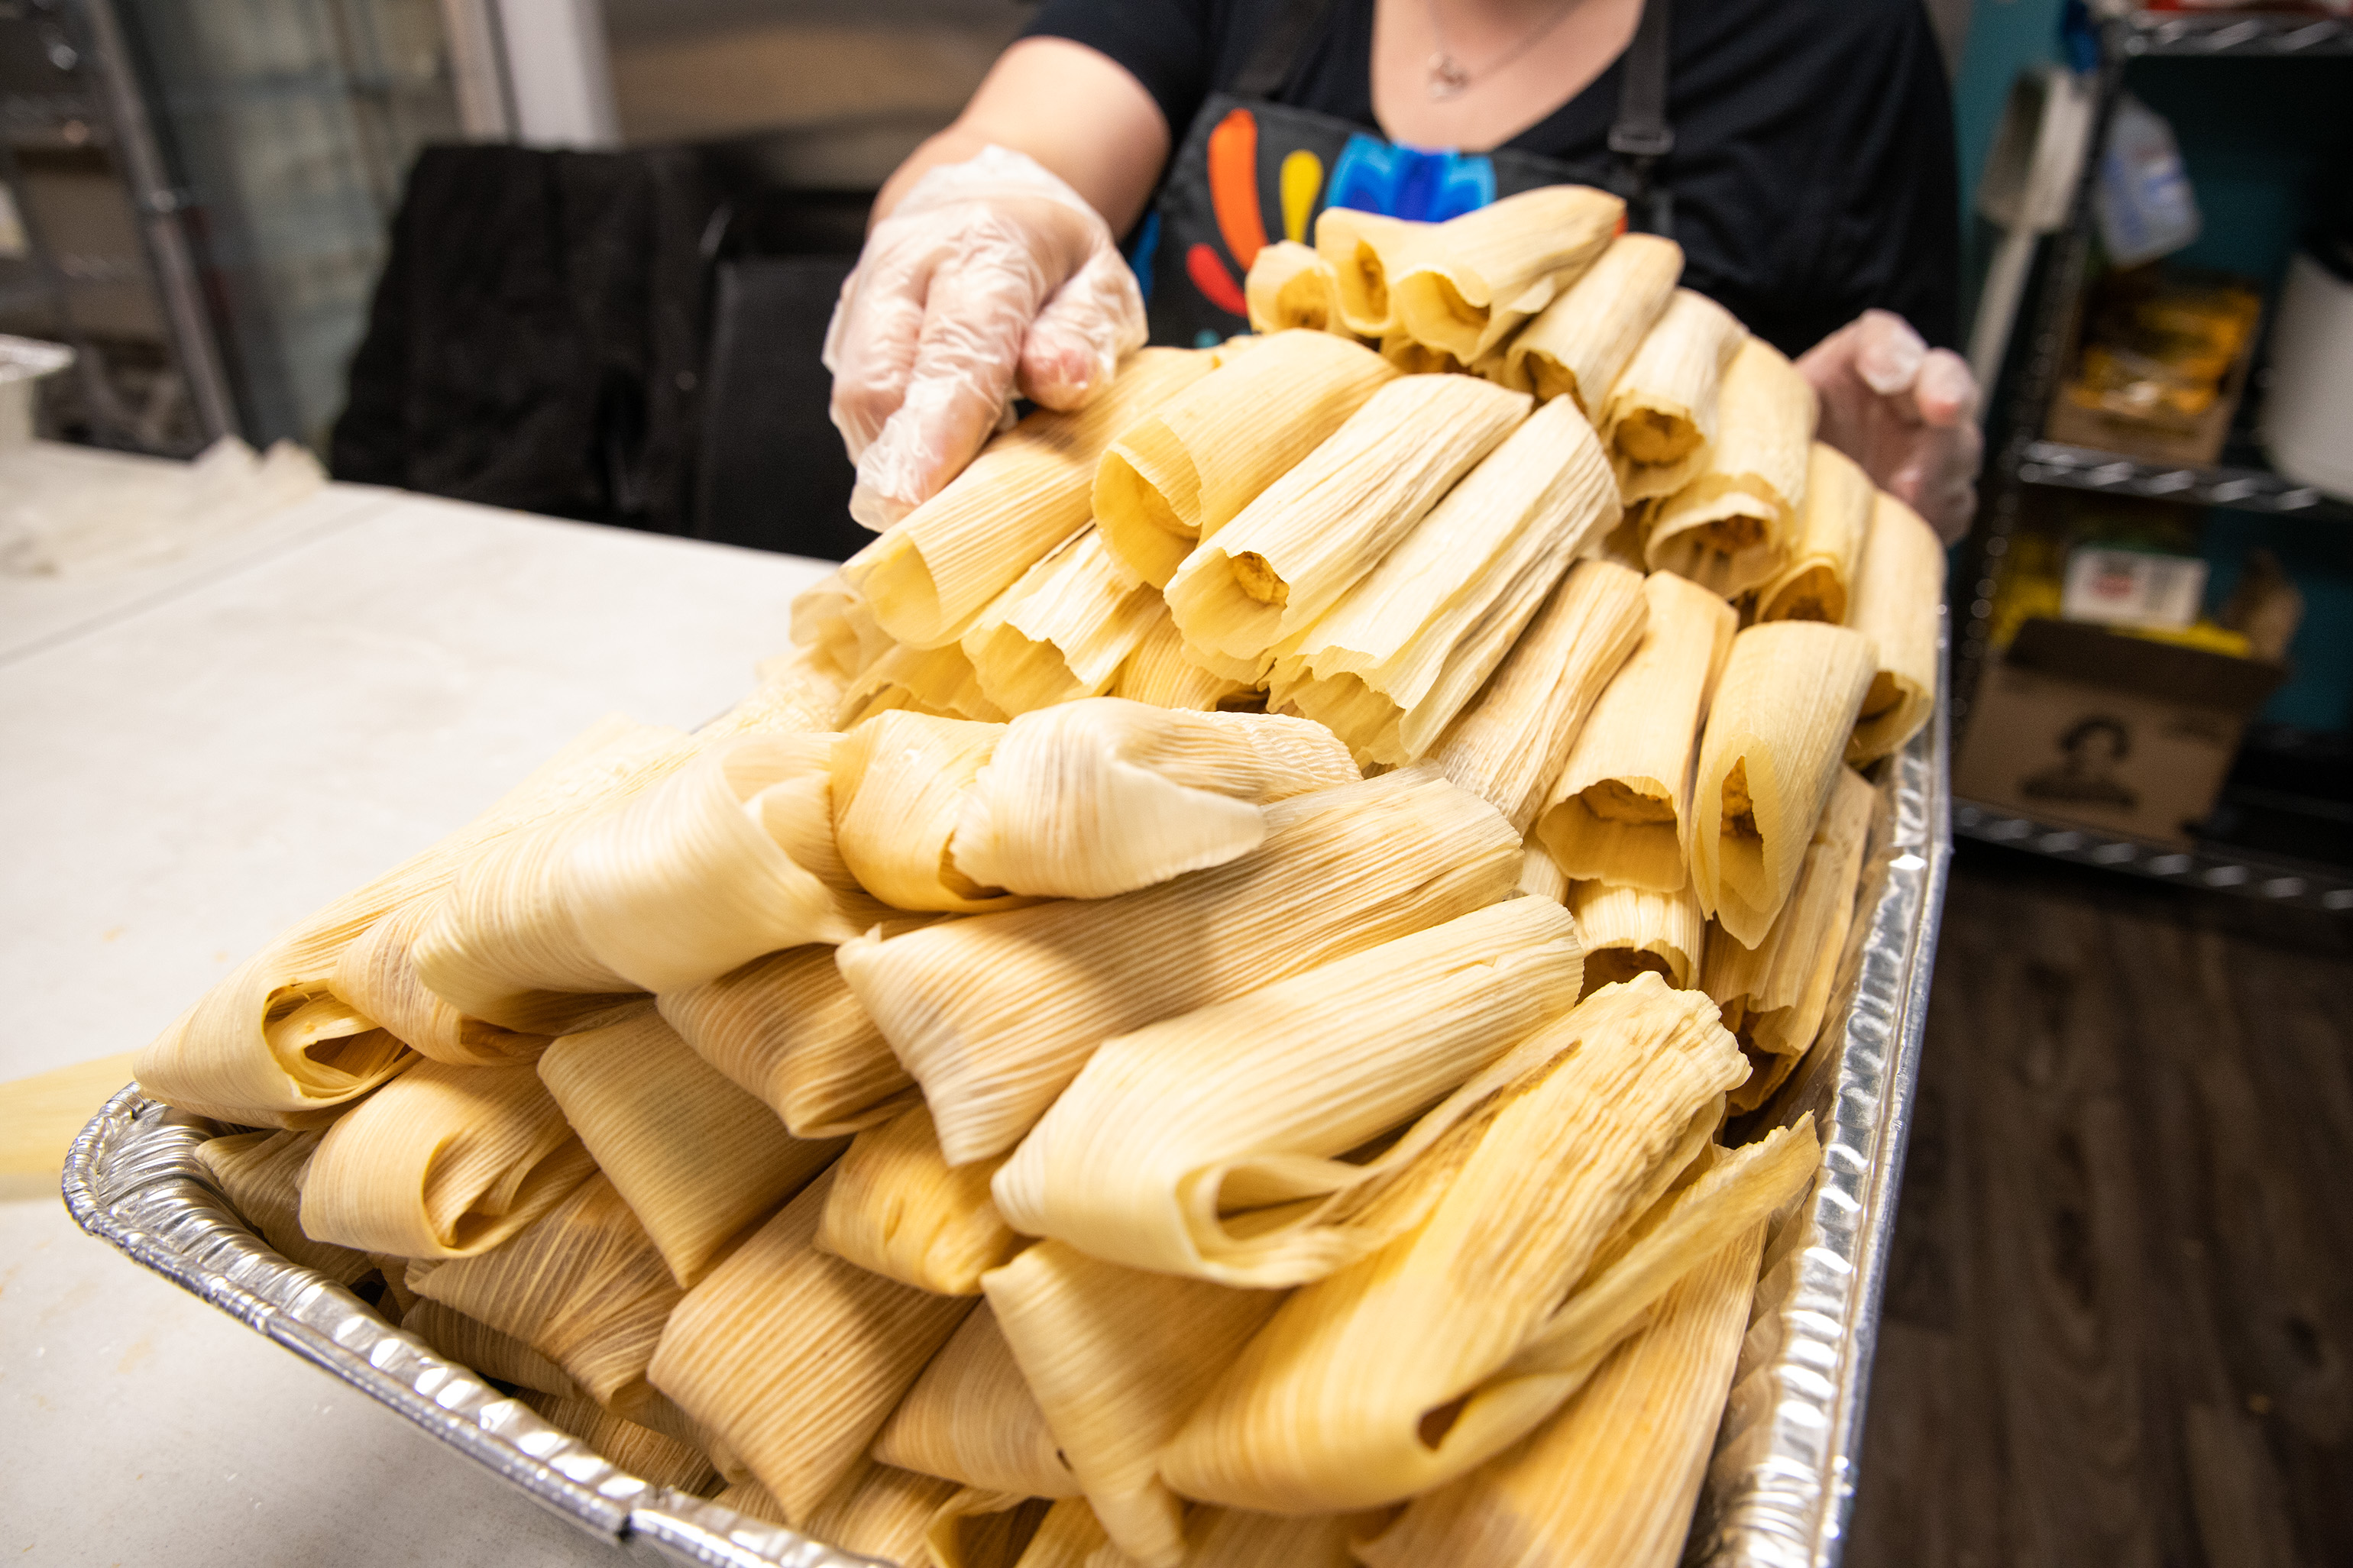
x=1251, y=171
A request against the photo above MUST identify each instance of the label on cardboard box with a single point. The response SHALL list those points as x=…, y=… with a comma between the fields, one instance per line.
x=2132, y=588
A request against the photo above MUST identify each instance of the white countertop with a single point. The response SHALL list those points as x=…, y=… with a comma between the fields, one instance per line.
x=188, y=761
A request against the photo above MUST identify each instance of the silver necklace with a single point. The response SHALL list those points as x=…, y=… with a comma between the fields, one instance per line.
x=1448, y=77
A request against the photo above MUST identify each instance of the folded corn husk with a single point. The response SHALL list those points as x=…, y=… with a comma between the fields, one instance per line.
x=1366, y=250
x=1620, y=809
x=1412, y=356
x=1509, y=744
x=899, y=1211
x=1897, y=592
x=977, y=1529
x=1158, y=673
x=752, y=1500
x=1577, y=346
x=1627, y=930
x=1832, y=526
x=1176, y=1143
x=1313, y=533
x=1735, y=524
x=1540, y=875
x=1612, y=1478
x=1411, y=1366
x=1179, y=475
x=1028, y=490
x=1117, y=1359
x=1389, y=666
x=898, y=784
x=473, y=1343
x=879, y=1510
x=971, y=1419
x=794, y=1358
x=1660, y=418
x=1775, y=994
x=787, y=1030
x=1231, y=1538
x=696, y=1157
x=836, y=627
x=1062, y=631
x=656, y=1457
x=996, y=1013
x=1106, y=796
x=376, y=976
x=443, y=1162
x=1290, y=287
x=939, y=680
x=1767, y=762
x=1475, y=278
x=1070, y=1537
x=261, y=1173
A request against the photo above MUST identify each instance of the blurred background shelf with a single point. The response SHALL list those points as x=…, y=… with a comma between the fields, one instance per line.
x=2240, y=484
x=2262, y=35
x=2216, y=867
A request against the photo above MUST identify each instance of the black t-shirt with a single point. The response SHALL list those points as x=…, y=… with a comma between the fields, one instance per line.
x=1813, y=171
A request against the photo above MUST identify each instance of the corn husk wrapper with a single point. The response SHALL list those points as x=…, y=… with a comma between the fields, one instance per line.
x=794, y=1358
x=978, y=1529
x=1070, y=1537
x=1062, y=631
x=261, y=1173
x=1117, y=1359
x=834, y=626
x=1898, y=591
x=879, y=1510
x=1320, y=529
x=1366, y=250
x=1612, y=1478
x=472, y=1342
x=376, y=976
x=1409, y=354
x=787, y=1030
x=1619, y=810
x=444, y=1161
x=1627, y=930
x=1411, y=1366
x=1390, y=665
x=995, y=1015
x=1775, y=995
x=1028, y=490
x=1660, y=418
x=1232, y=1538
x=797, y=694
x=1509, y=744
x=657, y=1457
x=1817, y=582
x=1290, y=287
x=971, y=1419
x=1179, y=475
x=1167, y=1151
x=1475, y=278
x=752, y=1500
x=696, y=1157
x=1767, y=762
x=939, y=680
x=898, y=1210
x=1579, y=343
x=1540, y=875
x=1159, y=673
x=899, y=782
x=1106, y=796
x=1734, y=526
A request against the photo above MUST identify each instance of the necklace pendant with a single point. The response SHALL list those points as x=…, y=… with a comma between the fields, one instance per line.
x=1447, y=76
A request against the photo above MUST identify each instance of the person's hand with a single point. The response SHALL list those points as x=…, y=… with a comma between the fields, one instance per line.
x=991, y=274
x=1906, y=412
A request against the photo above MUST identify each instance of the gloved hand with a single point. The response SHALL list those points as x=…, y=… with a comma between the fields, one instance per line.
x=991, y=273
x=1906, y=412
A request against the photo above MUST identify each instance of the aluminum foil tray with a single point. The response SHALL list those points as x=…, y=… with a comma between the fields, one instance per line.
x=1778, y=1490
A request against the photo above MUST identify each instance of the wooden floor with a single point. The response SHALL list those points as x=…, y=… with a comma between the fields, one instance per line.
x=2119, y=1319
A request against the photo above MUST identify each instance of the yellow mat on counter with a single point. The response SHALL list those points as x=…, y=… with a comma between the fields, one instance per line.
x=39, y=1117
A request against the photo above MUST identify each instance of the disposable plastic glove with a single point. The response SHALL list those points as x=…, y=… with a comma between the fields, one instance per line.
x=1906, y=412
x=991, y=273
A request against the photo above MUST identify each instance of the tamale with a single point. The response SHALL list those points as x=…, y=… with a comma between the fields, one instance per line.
x=1627, y=930
x=1509, y=744
x=261, y=1173
x=1288, y=286
x=1185, y=471
x=833, y=622
x=899, y=782
x=443, y=1162
x=977, y=1528
x=1317, y=530
x=1232, y=1538
x=1070, y=1537
x=787, y=1030
x=1577, y=344
x=1117, y=1359
x=376, y=976
x=797, y=693
x=971, y=1419
x=1660, y=418
x=1619, y=812
x=1158, y=672
x=898, y=1210
x=879, y=1510
x=995, y=1014
x=1767, y=762
x=752, y=1500
x=1366, y=250
x=1414, y=357
x=653, y=1456
x=1898, y=591
x=1028, y=490
x=1389, y=666
x=1735, y=524
x=472, y=1342
x=1106, y=796
x=1062, y=631
x=1775, y=994
x=1540, y=875
x=1403, y=1369
x=1473, y=279
x=1819, y=575
x=1173, y=1141
x=1609, y=1481
x=696, y=1157
x=794, y=1358
x=938, y=680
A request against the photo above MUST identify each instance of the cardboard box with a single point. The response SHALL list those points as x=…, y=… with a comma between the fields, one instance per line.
x=2118, y=734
